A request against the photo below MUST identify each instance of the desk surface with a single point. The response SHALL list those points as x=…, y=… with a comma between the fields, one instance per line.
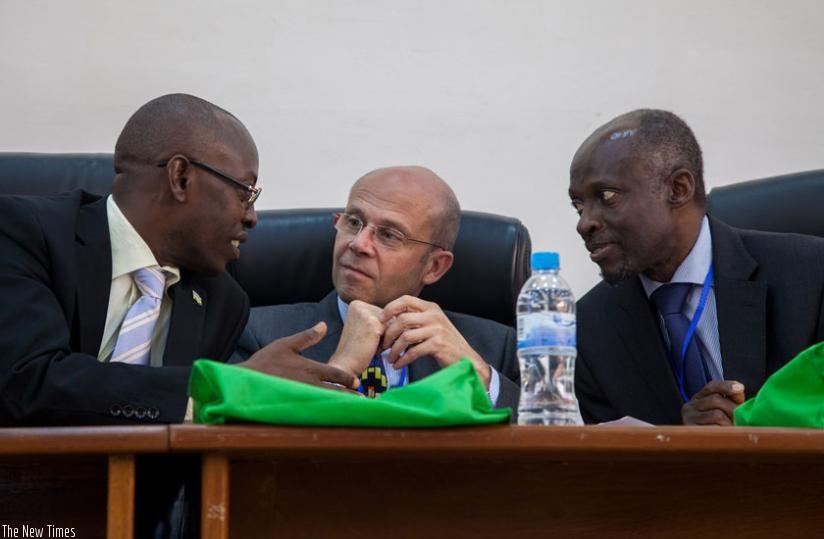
x=84, y=440
x=569, y=442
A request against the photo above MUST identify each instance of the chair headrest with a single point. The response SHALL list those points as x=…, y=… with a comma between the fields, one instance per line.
x=52, y=173
x=787, y=203
x=288, y=257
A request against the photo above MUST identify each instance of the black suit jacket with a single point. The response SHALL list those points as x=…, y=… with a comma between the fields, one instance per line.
x=55, y=276
x=493, y=341
x=768, y=290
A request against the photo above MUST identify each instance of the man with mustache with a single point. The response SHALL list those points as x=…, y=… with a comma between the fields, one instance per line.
x=395, y=237
x=692, y=314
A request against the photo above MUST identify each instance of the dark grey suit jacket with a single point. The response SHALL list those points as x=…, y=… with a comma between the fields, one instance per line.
x=768, y=290
x=55, y=276
x=493, y=341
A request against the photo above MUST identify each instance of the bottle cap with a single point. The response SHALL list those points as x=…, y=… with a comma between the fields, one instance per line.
x=546, y=260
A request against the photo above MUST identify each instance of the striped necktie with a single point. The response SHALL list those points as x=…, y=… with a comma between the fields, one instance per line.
x=134, y=342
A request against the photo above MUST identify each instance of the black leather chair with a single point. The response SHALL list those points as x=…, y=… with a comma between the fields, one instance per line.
x=787, y=203
x=288, y=257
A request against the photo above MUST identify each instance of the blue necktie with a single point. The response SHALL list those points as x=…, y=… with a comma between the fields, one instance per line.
x=134, y=341
x=670, y=299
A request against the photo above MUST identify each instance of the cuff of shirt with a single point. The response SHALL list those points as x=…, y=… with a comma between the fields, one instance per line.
x=189, y=417
x=494, y=385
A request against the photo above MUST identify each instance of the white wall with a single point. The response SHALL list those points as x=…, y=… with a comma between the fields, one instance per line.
x=495, y=95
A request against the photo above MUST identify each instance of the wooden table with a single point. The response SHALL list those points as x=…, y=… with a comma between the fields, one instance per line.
x=508, y=481
x=483, y=482
x=73, y=477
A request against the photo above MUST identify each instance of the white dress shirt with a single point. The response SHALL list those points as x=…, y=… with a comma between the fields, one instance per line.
x=130, y=253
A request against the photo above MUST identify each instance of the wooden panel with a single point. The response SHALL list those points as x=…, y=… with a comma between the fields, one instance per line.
x=512, y=497
x=215, y=497
x=68, y=492
x=518, y=481
x=64, y=477
x=121, y=497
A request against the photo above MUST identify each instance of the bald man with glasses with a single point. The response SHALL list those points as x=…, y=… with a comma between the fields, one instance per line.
x=394, y=238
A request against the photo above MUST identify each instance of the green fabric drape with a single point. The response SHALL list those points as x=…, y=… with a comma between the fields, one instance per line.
x=226, y=393
x=792, y=397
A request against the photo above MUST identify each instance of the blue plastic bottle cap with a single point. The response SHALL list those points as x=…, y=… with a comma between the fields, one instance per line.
x=546, y=260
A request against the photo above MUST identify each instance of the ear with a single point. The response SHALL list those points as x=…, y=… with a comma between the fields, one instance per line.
x=176, y=176
x=681, y=185
x=439, y=263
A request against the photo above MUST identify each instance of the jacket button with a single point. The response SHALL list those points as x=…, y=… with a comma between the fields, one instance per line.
x=128, y=411
x=115, y=410
x=153, y=413
x=140, y=412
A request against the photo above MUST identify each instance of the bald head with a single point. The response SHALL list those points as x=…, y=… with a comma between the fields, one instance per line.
x=443, y=209
x=662, y=141
x=174, y=123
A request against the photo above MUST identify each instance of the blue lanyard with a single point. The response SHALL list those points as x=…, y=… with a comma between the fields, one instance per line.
x=705, y=292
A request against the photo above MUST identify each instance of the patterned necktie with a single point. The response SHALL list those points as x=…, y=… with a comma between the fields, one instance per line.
x=134, y=342
x=373, y=379
x=670, y=299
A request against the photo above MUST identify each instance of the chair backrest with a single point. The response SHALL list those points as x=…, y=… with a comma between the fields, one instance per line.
x=288, y=257
x=787, y=203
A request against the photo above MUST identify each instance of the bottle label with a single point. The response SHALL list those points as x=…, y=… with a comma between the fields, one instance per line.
x=546, y=329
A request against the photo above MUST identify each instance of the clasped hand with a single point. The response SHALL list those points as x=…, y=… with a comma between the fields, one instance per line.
x=410, y=328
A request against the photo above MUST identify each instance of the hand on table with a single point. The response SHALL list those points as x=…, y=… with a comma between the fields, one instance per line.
x=714, y=404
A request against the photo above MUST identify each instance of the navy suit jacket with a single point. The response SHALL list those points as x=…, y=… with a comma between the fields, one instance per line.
x=55, y=277
x=768, y=290
x=493, y=341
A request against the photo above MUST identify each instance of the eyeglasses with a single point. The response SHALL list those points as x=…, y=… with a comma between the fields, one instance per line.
x=386, y=236
x=253, y=190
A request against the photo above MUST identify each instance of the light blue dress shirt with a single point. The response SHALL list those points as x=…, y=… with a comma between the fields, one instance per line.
x=393, y=375
x=694, y=270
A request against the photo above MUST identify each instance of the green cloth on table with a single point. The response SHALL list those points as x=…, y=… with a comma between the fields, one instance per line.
x=792, y=397
x=227, y=393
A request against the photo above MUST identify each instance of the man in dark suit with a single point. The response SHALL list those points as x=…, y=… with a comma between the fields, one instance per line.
x=749, y=301
x=395, y=237
x=181, y=204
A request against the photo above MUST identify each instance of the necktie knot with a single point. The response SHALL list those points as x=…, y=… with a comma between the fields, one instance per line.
x=150, y=281
x=670, y=298
x=134, y=341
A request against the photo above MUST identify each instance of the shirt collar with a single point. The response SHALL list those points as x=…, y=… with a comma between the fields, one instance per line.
x=694, y=268
x=343, y=309
x=129, y=251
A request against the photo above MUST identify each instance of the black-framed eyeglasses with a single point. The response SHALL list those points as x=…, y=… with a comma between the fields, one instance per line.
x=253, y=190
x=386, y=236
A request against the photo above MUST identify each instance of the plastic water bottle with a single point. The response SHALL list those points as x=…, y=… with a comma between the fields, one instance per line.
x=546, y=346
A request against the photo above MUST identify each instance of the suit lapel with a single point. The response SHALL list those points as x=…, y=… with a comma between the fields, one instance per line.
x=189, y=304
x=742, y=308
x=646, y=356
x=94, y=275
x=422, y=367
x=327, y=311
